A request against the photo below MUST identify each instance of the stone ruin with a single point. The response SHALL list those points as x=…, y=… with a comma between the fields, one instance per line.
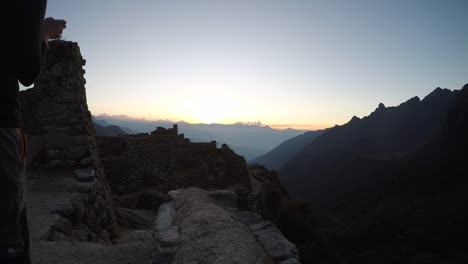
x=61, y=135
x=55, y=111
x=168, y=160
x=161, y=131
x=138, y=169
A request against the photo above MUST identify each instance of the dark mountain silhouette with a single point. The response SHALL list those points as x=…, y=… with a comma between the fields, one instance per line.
x=393, y=184
x=386, y=134
x=277, y=157
x=109, y=130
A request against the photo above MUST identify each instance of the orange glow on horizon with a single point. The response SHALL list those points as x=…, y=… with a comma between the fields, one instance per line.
x=316, y=126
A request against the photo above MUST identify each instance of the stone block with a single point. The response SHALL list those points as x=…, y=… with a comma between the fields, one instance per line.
x=165, y=255
x=84, y=175
x=277, y=246
x=55, y=163
x=290, y=261
x=59, y=140
x=69, y=163
x=86, y=162
x=77, y=152
x=52, y=153
x=165, y=216
x=224, y=197
x=82, y=140
x=169, y=236
x=247, y=218
x=46, y=109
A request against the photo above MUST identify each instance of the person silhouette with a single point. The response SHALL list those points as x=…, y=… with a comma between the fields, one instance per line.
x=23, y=47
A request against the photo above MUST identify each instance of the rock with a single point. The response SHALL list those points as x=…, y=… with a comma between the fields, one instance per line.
x=55, y=163
x=277, y=246
x=81, y=234
x=165, y=255
x=59, y=140
x=77, y=152
x=80, y=187
x=247, y=218
x=133, y=220
x=126, y=201
x=151, y=200
x=168, y=236
x=224, y=197
x=235, y=169
x=79, y=209
x=85, y=162
x=290, y=261
x=84, y=175
x=69, y=163
x=209, y=234
x=172, y=195
x=165, y=216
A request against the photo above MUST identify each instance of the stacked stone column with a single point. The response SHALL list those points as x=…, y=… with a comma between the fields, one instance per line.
x=56, y=109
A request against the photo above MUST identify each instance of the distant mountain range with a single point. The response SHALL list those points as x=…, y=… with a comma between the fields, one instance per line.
x=327, y=163
x=108, y=130
x=248, y=140
x=393, y=184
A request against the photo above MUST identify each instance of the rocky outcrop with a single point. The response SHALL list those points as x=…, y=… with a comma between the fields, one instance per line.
x=235, y=169
x=201, y=226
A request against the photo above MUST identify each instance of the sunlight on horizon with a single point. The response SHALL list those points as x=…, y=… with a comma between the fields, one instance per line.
x=289, y=63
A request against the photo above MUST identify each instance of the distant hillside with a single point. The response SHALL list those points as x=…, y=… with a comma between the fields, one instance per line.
x=277, y=157
x=387, y=133
x=248, y=140
x=106, y=131
x=394, y=183
x=103, y=122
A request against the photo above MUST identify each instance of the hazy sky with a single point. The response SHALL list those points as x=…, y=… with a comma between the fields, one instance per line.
x=293, y=62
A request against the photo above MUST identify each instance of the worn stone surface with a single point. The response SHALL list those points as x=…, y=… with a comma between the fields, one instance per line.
x=277, y=246
x=290, y=261
x=226, y=198
x=165, y=216
x=210, y=235
x=247, y=218
x=85, y=175
x=168, y=237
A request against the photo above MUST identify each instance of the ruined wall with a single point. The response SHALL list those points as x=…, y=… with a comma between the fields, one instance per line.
x=57, y=120
x=160, y=159
x=55, y=111
x=166, y=161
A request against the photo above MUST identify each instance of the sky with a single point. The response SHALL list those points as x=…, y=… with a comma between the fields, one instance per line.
x=287, y=63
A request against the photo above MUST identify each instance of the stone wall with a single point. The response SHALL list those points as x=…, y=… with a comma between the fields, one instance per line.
x=55, y=111
x=167, y=161
x=61, y=135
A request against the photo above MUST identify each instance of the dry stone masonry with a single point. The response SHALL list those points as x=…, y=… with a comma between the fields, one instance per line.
x=55, y=111
x=61, y=135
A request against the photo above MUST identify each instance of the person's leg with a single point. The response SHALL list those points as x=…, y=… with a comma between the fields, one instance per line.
x=12, y=244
